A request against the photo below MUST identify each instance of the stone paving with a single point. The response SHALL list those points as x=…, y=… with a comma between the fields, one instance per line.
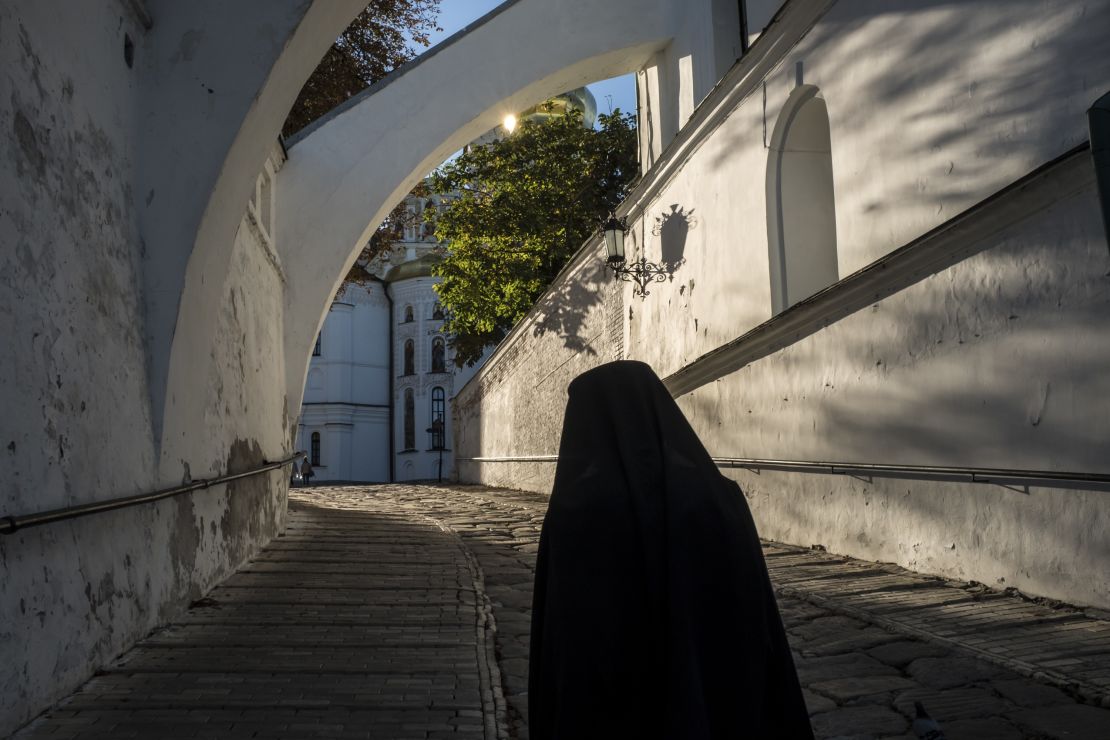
x=400, y=612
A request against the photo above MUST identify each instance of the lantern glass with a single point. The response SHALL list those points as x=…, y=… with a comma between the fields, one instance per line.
x=614, y=239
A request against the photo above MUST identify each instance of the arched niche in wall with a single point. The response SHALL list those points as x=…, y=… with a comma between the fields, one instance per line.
x=316, y=380
x=801, y=207
x=439, y=354
x=410, y=357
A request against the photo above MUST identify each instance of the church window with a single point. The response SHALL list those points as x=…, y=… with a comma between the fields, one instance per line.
x=437, y=312
x=408, y=314
x=439, y=364
x=410, y=361
x=439, y=420
x=801, y=209
x=316, y=349
x=315, y=448
x=410, y=420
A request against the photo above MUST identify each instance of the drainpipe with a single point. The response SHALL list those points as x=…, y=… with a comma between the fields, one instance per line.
x=1098, y=121
x=389, y=350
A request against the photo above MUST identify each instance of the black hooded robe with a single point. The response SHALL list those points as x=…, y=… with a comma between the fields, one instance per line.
x=653, y=615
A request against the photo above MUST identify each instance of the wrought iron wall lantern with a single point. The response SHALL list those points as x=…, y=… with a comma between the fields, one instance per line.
x=641, y=272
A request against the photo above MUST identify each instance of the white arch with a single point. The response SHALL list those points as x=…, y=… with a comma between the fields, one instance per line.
x=801, y=208
x=201, y=151
x=342, y=178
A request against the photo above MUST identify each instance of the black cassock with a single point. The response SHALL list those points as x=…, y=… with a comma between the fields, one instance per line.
x=653, y=616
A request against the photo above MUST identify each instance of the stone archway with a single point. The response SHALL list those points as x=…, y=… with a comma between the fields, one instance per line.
x=345, y=174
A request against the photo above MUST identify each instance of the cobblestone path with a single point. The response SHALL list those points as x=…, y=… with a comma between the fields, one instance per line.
x=365, y=620
x=398, y=612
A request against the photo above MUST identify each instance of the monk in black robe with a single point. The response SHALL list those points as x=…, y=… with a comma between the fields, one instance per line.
x=653, y=616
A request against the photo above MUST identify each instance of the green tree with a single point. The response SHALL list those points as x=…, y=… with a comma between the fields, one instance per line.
x=525, y=204
x=376, y=43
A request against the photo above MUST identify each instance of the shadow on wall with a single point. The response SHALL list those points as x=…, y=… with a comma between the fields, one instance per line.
x=672, y=228
x=922, y=75
x=566, y=308
x=988, y=364
x=980, y=365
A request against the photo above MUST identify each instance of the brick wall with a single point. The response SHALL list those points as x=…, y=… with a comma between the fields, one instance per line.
x=514, y=405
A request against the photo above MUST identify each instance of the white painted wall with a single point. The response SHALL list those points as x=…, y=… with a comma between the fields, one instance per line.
x=103, y=190
x=158, y=335
x=994, y=361
x=346, y=397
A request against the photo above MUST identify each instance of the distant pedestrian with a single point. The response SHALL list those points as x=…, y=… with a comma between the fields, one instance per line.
x=653, y=616
x=306, y=471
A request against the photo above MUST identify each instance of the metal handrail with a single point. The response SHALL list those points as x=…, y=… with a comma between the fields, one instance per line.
x=973, y=475
x=11, y=524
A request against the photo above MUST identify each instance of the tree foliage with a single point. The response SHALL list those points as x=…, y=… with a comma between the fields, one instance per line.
x=388, y=233
x=524, y=206
x=376, y=42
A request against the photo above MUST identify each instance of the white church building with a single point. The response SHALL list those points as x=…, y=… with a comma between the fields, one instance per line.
x=381, y=378
x=381, y=374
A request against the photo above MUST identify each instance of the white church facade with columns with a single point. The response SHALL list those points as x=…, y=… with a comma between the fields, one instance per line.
x=382, y=375
x=379, y=387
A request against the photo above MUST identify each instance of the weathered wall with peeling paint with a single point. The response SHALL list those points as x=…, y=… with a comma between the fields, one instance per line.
x=992, y=362
x=130, y=276
x=77, y=425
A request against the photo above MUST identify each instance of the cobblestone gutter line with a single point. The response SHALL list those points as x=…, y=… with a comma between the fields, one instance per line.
x=494, y=711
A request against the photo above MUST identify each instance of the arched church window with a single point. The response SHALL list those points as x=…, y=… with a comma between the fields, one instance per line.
x=408, y=314
x=439, y=364
x=315, y=451
x=439, y=417
x=410, y=359
x=437, y=312
x=801, y=208
x=410, y=420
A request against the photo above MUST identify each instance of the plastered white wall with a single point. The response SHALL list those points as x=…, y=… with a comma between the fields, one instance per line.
x=346, y=397
x=991, y=362
x=79, y=423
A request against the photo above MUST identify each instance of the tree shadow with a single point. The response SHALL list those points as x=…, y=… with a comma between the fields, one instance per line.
x=991, y=364
x=576, y=307
x=936, y=108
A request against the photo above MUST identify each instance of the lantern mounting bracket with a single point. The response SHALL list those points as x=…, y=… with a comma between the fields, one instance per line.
x=640, y=272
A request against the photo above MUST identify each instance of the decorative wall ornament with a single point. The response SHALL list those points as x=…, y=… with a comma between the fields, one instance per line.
x=641, y=272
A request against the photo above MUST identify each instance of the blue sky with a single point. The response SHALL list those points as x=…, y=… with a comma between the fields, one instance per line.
x=454, y=14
